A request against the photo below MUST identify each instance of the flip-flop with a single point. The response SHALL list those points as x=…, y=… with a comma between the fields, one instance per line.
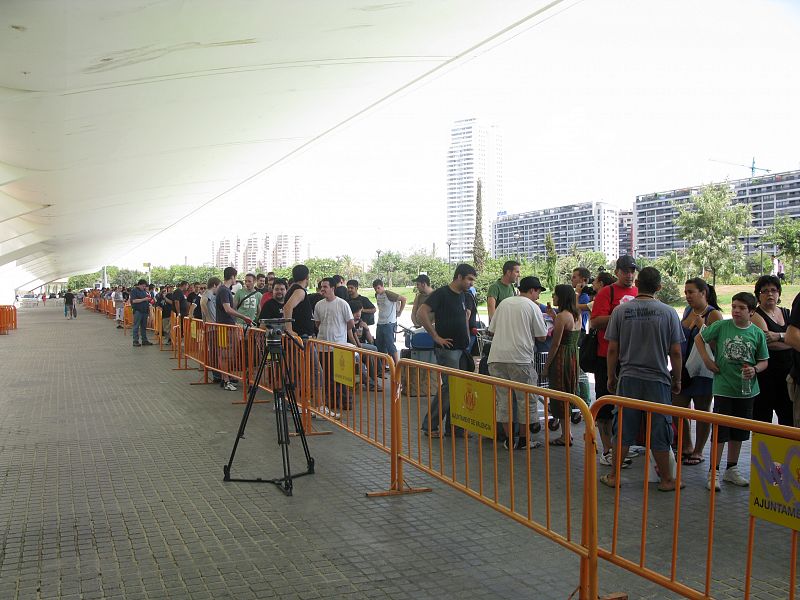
x=691, y=460
x=672, y=489
x=607, y=481
x=559, y=442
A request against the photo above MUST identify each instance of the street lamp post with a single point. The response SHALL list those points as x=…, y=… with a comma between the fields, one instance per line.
x=449, y=243
x=378, y=252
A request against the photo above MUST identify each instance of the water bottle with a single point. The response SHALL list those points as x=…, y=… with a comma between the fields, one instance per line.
x=747, y=385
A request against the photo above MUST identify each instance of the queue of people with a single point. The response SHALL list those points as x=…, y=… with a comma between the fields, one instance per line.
x=747, y=365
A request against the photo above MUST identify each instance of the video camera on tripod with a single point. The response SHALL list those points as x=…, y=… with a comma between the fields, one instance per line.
x=285, y=405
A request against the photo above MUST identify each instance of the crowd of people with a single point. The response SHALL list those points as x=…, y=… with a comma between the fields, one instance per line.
x=612, y=325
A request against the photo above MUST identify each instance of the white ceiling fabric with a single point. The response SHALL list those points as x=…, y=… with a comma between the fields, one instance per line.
x=120, y=118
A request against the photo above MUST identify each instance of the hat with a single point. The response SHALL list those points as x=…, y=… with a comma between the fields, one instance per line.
x=422, y=278
x=626, y=262
x=531, y=283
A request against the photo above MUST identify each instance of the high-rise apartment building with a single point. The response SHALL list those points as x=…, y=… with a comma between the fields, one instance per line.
x=588, y=226
x=475, y=152
x=256, y=254
x=225, y=253
x=626, y=233
x=769, y=196
x=287, y=251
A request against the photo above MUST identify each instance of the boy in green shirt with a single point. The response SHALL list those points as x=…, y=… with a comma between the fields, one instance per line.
x=502, y=288
x=247, y=299
x=741, y=352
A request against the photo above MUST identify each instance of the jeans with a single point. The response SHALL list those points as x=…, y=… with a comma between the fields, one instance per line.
x=140, y=325
x=445, y=357
x=384, y=338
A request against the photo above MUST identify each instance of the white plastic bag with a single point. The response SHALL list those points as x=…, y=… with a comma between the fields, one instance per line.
x=694, y=363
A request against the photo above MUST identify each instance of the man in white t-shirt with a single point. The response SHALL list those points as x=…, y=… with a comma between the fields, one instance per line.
x=516, y=326
x=334, y=321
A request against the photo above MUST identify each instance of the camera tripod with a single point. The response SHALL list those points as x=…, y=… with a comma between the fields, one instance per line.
x=284, y=399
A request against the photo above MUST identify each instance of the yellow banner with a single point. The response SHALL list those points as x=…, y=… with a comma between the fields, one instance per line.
x=194, y=329
x=775, y=480
x=343, y=367
x=222, y=337
x=472, y=405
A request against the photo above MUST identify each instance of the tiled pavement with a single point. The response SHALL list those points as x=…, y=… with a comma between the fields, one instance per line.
x=111, y=487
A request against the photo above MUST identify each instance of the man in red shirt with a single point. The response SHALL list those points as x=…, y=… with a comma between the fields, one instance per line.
x=605, y=302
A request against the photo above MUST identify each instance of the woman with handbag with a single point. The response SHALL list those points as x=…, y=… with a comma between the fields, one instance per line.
x=702, y=310
x=773, y=321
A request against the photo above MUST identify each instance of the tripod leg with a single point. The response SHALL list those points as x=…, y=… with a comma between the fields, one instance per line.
x=226, y=469
x=283, y=441
x=298, y=421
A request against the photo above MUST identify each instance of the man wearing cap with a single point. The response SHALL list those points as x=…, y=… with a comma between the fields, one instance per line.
x=605, y=302
x=424, y=290
x=502, y=288
x=517, y=324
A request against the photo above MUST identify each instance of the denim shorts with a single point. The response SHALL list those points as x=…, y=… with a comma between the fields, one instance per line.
x=634, y=420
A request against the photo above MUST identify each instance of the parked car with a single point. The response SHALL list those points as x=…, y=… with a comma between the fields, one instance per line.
x=28, y=300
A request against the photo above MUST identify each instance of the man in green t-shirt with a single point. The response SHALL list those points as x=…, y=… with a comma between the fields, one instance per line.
x=247, y=299
x=740, y=353
x=503, y=288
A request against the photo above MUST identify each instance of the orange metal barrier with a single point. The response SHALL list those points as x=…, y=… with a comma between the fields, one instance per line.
x=127, y=318
x=670, y=581
x=225, y=352
x=8, y=318
x=194, y=343
x=522, y=487
x=361, y=405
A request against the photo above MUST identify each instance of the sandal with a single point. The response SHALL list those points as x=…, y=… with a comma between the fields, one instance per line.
x=670, y=489
x=560, y=442
x=607, y=481
x=689, y=460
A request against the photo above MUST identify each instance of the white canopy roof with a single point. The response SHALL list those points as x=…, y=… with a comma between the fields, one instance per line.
x=121, y=118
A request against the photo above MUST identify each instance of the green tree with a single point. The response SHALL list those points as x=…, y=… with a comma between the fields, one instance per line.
x=674, y=264
x=785, y=233
x=712, y=225
x=478, y=249
x=551, y=262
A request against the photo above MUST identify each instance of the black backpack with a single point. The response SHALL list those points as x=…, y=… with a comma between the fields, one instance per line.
x=587, y=356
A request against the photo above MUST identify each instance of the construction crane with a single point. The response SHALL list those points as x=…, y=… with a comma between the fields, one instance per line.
x=753, y=168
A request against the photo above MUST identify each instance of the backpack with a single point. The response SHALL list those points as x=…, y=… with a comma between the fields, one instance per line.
x=587, y=356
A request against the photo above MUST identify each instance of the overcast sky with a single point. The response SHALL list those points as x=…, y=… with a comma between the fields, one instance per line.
x=604, y=100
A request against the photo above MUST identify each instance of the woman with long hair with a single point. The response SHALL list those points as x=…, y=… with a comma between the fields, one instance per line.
x=562, y=361
x=773, y=320
x=702, y=309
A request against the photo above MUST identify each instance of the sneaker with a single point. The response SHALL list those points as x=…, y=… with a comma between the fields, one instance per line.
x=632, y=453
x=230, y=386
x=119, y=326
x=136, y=344
x=605, y=459
x=713, y=475
x=520, y=444
x=733, y=476
x=147, y=343
x=330, y=413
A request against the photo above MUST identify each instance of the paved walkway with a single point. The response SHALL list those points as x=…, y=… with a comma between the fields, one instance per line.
x=111, y=487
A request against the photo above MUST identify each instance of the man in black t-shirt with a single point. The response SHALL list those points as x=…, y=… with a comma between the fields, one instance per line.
x=793, y=339
x=191, y=295
x=273, y=308
x=69, y=304
x=451, y=336
x=368, y=309
x=297, y=306
x=228, y=338
x=164, y=302
x=179, y=302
